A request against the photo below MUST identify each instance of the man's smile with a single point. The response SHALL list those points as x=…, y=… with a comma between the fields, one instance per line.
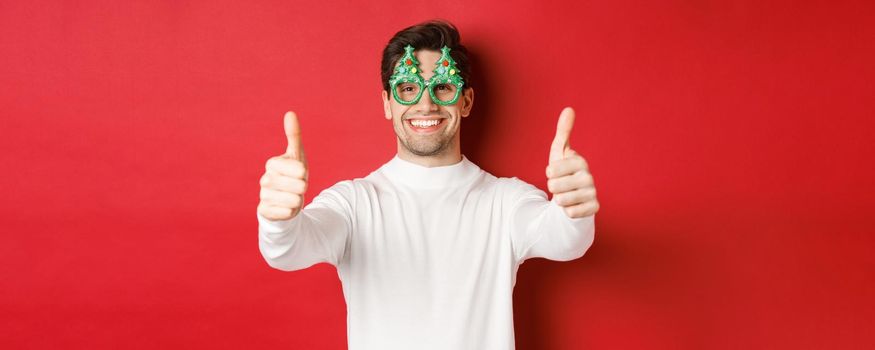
x=425, y=125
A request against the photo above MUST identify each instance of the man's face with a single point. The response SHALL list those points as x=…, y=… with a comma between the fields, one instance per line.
x=426, y=128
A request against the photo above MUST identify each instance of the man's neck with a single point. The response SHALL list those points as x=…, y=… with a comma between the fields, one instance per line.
x=449, y=157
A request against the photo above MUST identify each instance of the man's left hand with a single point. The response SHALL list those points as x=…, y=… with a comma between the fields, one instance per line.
x=568, y=177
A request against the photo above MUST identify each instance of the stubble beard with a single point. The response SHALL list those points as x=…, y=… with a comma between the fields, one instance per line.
x=424, y=145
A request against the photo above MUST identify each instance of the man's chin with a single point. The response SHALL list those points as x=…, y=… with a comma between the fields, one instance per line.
x=424, y=150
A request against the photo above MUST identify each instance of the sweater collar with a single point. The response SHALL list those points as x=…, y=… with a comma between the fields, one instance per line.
x=418, y=176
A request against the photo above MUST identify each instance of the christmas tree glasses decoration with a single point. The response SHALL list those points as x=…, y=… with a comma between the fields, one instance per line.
x=446, y=83
x=444, y=87
x=406, y=82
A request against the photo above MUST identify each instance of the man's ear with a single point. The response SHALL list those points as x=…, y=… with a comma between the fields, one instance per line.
x=467, y=101
x=387, y=108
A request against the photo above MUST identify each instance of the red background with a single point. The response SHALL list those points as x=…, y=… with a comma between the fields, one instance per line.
x=731, y=143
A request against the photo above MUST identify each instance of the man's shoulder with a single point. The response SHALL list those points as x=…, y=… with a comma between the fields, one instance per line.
x=514, y=184
x=377, y=178
x=510, y=187
x=351, y=185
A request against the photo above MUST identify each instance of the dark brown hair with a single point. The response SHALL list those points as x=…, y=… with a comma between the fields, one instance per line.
x=431, y=35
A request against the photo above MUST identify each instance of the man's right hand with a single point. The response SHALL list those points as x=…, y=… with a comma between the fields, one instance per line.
x=285, y=178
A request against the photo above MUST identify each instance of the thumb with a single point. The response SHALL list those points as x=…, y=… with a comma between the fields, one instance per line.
x=293, y=135
x=563, y=133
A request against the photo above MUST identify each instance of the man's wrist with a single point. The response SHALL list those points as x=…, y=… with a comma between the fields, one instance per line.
x=274, y=226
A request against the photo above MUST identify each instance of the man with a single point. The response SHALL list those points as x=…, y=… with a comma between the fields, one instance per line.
x=427, y=246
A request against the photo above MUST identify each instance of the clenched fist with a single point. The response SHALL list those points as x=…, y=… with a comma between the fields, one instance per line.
x=568, y=174
x=285, y=178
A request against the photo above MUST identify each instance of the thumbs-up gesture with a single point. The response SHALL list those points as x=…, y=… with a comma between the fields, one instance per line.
x=568, y=177
x=285, y=178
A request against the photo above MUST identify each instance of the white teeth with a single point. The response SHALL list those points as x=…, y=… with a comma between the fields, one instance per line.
x=419, y=123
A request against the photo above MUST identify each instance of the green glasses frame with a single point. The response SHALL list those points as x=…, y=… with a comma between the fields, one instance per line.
x=408, y=71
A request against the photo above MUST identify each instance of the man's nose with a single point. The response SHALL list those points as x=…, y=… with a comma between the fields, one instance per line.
x=425, y=103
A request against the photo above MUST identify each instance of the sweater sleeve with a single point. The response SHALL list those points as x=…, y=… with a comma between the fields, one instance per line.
x=319, y=233
x=541, y=229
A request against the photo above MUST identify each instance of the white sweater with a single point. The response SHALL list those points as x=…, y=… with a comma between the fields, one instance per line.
x=427, y=256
